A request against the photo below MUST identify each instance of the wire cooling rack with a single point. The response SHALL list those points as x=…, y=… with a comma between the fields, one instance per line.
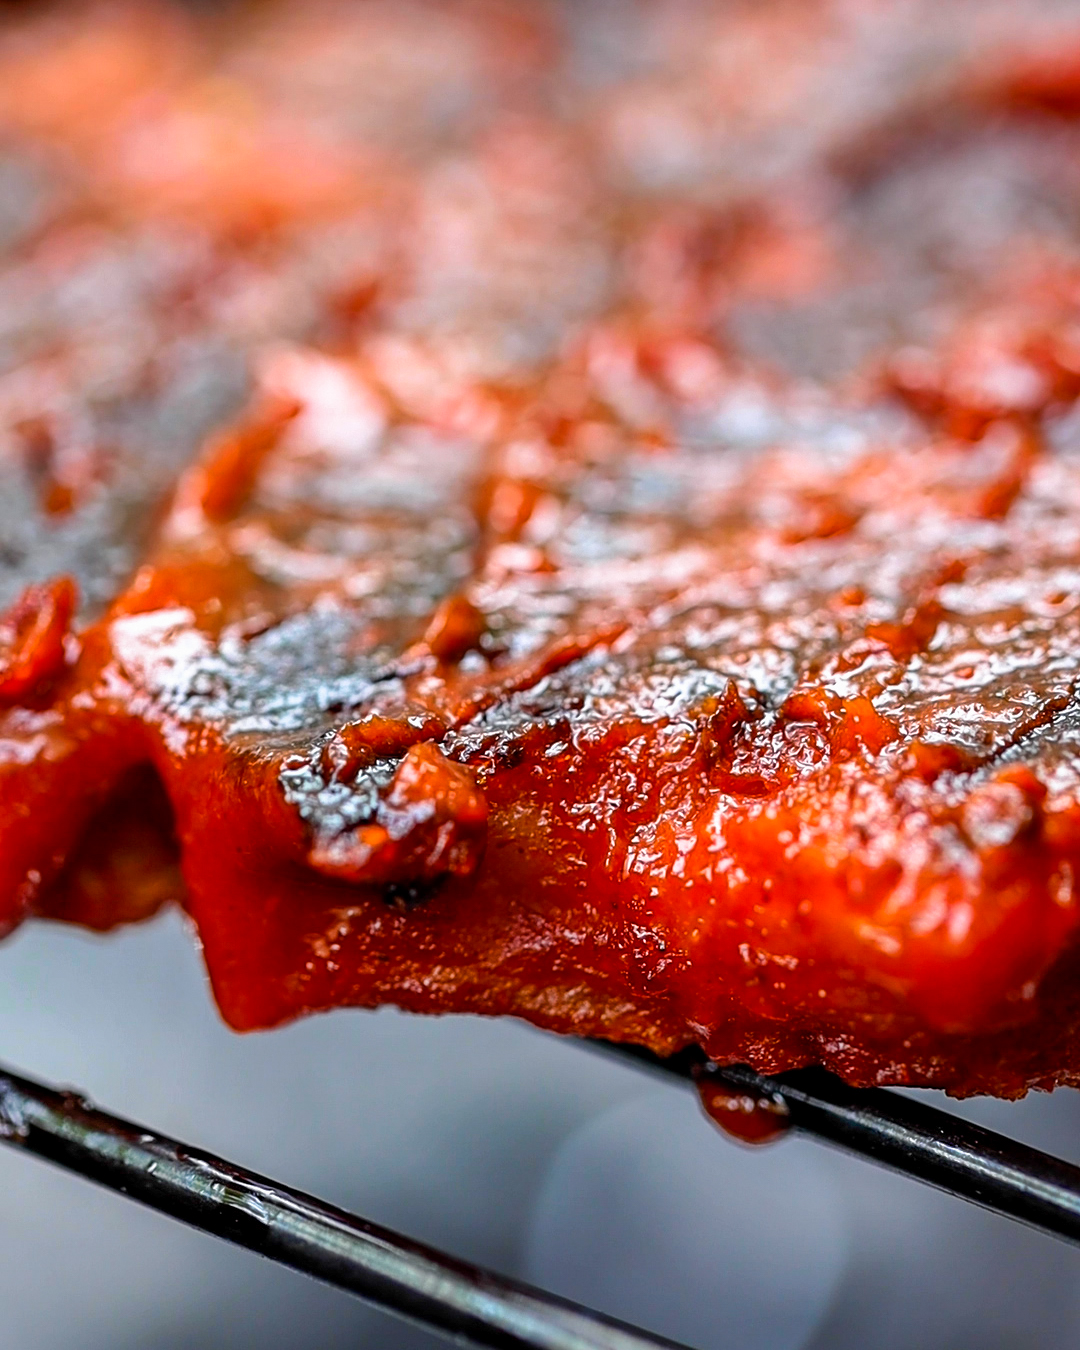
x=477, y=1306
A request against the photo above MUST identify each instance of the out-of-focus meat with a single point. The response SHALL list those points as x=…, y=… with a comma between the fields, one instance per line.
x=590, y=617
x=127, y=864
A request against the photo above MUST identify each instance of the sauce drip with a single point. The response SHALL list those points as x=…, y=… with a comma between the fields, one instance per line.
x=749, y=1119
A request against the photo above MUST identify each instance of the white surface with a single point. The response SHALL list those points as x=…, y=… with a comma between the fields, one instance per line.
x=489, y=1139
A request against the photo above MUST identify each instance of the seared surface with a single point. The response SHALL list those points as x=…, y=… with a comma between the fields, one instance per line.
x=648, y=602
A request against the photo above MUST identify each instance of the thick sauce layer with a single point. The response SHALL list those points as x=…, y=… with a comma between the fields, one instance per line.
x=641, y=591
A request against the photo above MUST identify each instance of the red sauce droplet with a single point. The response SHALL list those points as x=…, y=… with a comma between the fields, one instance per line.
x=750, y=1119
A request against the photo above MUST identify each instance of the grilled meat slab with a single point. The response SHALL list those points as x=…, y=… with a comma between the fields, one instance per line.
x=642, y=590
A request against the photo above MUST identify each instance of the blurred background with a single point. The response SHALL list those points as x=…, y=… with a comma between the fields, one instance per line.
x=503, y=1145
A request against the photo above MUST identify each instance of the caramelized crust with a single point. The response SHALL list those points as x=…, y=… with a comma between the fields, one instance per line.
x=643, y=594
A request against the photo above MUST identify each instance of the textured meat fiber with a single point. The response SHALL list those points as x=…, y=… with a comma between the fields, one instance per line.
x=646, y=604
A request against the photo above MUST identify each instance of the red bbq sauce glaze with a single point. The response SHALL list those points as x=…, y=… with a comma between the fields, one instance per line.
x=440, y=774
x=525, y=649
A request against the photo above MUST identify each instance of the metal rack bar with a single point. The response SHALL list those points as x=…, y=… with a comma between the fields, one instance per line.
x=905, y=1135
x=392, y=1271
x=472, y=1304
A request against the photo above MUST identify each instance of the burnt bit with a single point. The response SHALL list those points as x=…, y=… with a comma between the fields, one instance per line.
x=33, y=634
x=851, y=724
x=231, y=461
x=724, y=714
x=728, y=745
x=508, y=753
x=455, y=628
x=912, y=632
x=361, y=742
x=428, y=823
x=914, y=628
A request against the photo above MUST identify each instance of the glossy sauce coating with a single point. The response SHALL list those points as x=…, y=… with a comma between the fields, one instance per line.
x=641, y=590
